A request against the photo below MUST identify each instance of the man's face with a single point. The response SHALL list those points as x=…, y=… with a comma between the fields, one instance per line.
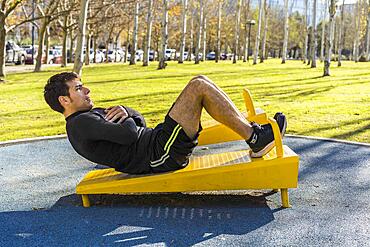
x=79, y=96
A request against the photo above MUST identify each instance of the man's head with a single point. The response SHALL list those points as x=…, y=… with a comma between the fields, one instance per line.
x=65, y=93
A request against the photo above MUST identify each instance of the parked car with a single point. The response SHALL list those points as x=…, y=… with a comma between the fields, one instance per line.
x=14, y=54
x=152, y=55
x=185, y=57
x=52, y=58
x=57, y=56
x=114, y=56
x=139, y=55
x=211, y=55
x=170, y=54
x=100, y=58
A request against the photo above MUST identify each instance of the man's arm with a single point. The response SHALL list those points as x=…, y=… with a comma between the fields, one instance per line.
x=122, y=112
x=93, y=127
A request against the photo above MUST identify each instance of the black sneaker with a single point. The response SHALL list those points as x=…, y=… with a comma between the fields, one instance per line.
x=262, y=139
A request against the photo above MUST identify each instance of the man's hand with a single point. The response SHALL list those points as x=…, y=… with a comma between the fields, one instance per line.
x=116, y=112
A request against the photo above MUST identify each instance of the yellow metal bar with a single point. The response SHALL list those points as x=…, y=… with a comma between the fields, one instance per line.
x=85, y=201
x=249, y=103
x=277, y=137
x=285, y=198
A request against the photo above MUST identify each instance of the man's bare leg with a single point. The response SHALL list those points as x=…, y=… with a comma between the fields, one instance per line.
x=201, y=93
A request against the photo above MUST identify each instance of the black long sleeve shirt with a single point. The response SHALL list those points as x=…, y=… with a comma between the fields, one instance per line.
x=124, y=146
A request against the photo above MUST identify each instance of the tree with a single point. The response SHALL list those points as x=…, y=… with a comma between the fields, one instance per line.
x=67, y=25
x=258, y=35
x=6, y=10
x=237, y=30
x=266, y=13
x=247, y=24
x=357, y=35
x=49, y=12
x=134, y=34
x=286, y=31
x=329, y=46
x=164, y=38
x=77, y=67
x=148, y=34
x=368, y=33
x=191, y=41
x=340, y=38
x=197, y=47
x=313, y=35
x=323, y=23
x=183, y=30
x=305, y=31
x=218, y=46
x=204, y=38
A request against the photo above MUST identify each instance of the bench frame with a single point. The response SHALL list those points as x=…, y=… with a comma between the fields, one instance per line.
x=276, y=170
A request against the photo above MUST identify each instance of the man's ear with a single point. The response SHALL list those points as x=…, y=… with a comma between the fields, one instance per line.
x=64, y=100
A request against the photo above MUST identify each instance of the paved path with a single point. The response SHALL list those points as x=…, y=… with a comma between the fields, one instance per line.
x=331, y=207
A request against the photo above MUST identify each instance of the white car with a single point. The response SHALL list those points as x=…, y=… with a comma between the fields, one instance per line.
x=170, y=54
x=152, y=55
x=114, y=56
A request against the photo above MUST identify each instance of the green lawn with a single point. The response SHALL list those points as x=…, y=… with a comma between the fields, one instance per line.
x=337, y=106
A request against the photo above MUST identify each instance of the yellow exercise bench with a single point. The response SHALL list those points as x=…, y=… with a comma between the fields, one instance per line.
x=225, y=171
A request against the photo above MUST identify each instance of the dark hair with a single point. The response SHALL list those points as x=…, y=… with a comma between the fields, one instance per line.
x=57, y=86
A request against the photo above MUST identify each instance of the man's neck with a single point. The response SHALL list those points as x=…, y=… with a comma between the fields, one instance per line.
x=68, y=112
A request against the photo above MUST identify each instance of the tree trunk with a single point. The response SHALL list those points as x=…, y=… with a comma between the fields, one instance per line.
x=323, y=31
x=64, y=45
x=305, y=32
x=204, y=38
x=40, y=49
x=81, y=37
x=47, y=44
x=330, y=39
x=183, y=30
x=190, y=52
x=357, y=35
x=313, y=35
x=257, y=44
x=340, y=38
x=286, y=30
x=197, y=47
x=134, y=34
x=218, y=46
x=87, y=54
x=237, y=30
x=162, y=59
x=368, y=33
x=246, y=25
x=2, y=46
x=127, y=43
x=71, y=39
x=263, y=53
x=148, y=34
x=95, y=47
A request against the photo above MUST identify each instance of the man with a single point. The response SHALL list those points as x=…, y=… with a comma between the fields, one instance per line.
x=118, y=136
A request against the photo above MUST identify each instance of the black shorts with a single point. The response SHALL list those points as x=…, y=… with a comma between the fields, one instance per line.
x=172, y=148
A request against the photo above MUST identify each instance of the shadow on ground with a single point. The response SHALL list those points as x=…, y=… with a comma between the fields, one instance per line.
x=171, y=219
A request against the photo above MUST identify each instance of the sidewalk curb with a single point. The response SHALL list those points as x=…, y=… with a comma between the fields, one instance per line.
x=30, y=140
x=329, y=140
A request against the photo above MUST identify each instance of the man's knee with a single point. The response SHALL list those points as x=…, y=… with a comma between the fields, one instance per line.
x=203, y=77
x=198, y=84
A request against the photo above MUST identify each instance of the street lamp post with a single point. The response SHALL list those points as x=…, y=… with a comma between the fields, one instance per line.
x=249, y=23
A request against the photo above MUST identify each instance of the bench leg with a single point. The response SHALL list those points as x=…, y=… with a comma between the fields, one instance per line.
x=85, y=201
x=285, y=198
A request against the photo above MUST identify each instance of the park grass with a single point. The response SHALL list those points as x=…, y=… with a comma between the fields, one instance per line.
x=336, y=107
